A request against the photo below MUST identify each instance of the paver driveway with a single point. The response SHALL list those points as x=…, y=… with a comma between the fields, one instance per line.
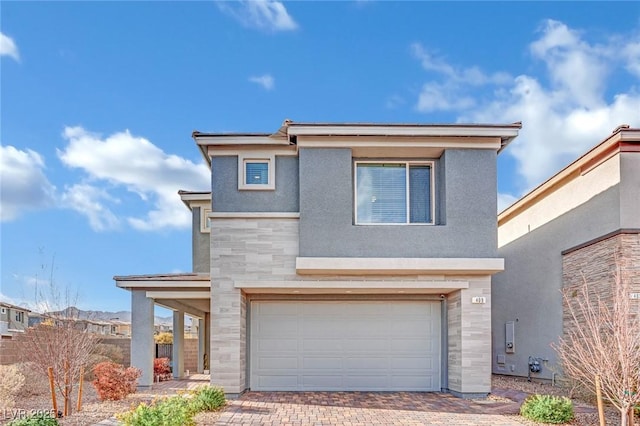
x=363, y=409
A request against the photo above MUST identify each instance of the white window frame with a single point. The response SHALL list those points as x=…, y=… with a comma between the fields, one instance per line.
x=205, y=224
x=407, y=163
x=3, y=310
x=243, y=159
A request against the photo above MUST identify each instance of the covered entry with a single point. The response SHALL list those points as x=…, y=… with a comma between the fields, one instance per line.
x=368, y=345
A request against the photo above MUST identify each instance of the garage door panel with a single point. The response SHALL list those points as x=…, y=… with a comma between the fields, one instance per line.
x=278, y=381
x=357, y=345
x=321, y=382
x=278, y=327
x=321, y=327
x=278, y=362
x=345, y=345
x=353, y=381
x=276, y=345
x=366, y=364
x=322, y=363
x=322, y=345
x=418, y=346
x=366, y=328
x=415, y=363
x=278, y=310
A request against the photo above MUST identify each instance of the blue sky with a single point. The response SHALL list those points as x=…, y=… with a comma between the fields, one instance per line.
x=99, y=99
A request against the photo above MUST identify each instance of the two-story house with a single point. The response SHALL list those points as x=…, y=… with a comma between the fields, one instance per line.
x=341, y=257
x=13, y=319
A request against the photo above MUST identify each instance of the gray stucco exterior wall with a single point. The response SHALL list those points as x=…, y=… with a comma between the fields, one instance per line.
x=200, y=244
x=227, y=198
x=528, y=292
x=468, y=230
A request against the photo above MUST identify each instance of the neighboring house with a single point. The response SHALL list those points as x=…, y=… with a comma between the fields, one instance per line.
x=573, y=227
x=13, y=319
x=120, y=328
x=339, y=257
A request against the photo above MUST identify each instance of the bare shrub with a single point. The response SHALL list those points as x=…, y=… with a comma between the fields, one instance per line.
x=11, y=382
x=603, y=340
x=35, y=382
x=61, y=341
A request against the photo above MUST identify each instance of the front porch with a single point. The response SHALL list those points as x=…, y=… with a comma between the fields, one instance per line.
x=183, y=294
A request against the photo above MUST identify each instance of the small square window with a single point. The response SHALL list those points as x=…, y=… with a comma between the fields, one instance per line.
x=205, y=221
x=256, y=172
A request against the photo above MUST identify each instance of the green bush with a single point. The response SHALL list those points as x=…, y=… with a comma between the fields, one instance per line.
x=547, y=409
x=40, y=419
x=175, y=411
x=206, y=398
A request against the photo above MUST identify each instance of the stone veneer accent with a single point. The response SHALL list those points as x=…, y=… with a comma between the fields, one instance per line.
x=595, y=264
x=266, y=249
x=469, y=339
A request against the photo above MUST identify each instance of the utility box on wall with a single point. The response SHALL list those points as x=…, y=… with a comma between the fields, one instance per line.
x=510, y=337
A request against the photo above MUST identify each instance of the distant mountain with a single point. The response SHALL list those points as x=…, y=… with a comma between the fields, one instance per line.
x=124, y=316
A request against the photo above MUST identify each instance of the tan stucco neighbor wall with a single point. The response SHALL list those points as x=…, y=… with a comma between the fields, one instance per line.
x=265, y=249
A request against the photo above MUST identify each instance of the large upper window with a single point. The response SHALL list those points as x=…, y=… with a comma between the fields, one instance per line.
x=394, y=193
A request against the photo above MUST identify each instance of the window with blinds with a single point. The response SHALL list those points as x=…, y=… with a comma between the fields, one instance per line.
x=256, y=172
x=394, y=193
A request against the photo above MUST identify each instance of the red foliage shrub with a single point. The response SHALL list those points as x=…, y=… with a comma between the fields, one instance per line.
x=113, y=381
x=161, y=369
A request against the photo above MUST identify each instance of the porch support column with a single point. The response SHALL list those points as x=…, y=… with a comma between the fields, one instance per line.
x=142, y=345
x=207, y=342
x=178, y=344
x=201, y=345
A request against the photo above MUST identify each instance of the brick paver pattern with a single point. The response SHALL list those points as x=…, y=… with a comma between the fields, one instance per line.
x=364, y=409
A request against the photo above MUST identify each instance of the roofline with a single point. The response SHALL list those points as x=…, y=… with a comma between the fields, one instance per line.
x=287, y=134
x=191, y=275
x=188, y=196
x=12, y=306
x=601, y=152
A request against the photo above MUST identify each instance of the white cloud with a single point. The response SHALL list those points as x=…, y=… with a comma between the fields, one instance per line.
x=132, y=162
x=264, y=15
x=86, y=199
x=8, y=47
x=442, y=97
x=23, y=184
x=266, y=81
x=450, y=93
x=562, y=118
x=505, y=200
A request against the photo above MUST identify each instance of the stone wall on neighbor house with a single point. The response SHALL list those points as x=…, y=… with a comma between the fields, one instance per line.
x=597, y=264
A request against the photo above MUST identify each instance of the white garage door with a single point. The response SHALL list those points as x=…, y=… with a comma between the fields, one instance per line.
x=339, y=345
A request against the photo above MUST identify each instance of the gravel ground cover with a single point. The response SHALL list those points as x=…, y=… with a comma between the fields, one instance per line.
x=586, y=412
x=93, y=410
